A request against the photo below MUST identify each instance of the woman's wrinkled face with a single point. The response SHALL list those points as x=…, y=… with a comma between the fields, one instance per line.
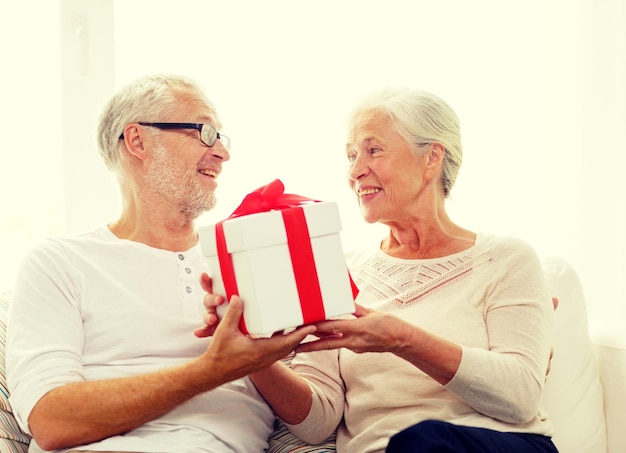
x=385, y=171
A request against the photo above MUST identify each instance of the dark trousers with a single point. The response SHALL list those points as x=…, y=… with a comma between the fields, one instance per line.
x=440, y=437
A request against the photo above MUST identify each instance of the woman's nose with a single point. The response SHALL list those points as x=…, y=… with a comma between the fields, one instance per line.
x=358, y=168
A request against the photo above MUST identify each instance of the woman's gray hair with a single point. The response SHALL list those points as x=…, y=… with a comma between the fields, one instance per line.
x=150, y=98
x=422, y=117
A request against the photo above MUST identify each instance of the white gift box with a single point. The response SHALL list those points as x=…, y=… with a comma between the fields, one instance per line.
x=264, y=272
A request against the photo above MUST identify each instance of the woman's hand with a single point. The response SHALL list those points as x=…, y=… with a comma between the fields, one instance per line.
x=373, y=331
x=211, y=302
x=369, y=331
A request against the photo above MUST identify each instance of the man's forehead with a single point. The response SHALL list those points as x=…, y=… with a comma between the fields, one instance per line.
x=196, y=108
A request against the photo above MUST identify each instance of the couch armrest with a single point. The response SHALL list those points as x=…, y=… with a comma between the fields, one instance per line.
x=609, y=341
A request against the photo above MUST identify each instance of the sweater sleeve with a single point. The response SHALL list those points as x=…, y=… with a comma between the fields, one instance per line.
x=505, y=381
x=321, y=370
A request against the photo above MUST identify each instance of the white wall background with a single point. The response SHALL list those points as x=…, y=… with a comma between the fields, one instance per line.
x=30, y=99
x=538, y=85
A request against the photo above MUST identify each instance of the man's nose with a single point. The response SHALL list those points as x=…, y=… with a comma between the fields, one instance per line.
x=220, y=151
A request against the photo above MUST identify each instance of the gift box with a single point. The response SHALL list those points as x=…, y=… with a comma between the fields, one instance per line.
x=282, y=254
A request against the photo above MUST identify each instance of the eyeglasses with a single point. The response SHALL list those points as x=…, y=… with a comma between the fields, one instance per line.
x=206, y=133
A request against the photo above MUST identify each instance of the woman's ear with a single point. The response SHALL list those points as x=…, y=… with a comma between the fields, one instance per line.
x=435, y=154
x=134, y=140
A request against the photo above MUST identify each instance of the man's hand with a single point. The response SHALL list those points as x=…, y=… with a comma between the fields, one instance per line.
x=211, y=302
x=233, y=354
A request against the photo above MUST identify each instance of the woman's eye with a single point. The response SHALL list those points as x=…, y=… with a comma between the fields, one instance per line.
x=351, y=158
x=374, y=150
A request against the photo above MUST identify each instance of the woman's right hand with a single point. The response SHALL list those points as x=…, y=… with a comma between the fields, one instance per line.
x=374, y=331
x=368, y=331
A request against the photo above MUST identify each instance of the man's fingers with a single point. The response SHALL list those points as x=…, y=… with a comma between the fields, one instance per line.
x=234, y=311
x=206, y=282
x=202, y=332
x=301, y=333
x=318, y=345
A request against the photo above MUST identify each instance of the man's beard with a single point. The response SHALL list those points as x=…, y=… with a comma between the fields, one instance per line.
x=176, y=185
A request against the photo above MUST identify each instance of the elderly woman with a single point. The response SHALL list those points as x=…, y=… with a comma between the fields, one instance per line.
x=451, y=339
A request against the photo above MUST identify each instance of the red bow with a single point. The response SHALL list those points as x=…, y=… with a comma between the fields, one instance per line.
x=267, y=198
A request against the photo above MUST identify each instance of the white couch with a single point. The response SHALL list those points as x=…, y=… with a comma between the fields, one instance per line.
x=585, y=393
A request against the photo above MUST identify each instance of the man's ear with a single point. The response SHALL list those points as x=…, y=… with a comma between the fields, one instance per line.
x=134, y=140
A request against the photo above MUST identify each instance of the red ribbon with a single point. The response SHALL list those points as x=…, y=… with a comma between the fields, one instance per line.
x=272, y=197
x=303, y=263
x=267, y=198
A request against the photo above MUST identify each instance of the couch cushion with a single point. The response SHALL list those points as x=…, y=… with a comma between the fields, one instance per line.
x=282, y=441
x=12, y=439
x=573, y=392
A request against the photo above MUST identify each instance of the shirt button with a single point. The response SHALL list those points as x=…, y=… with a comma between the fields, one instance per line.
x=181, y=256
x=188, y=270
x=188, y=289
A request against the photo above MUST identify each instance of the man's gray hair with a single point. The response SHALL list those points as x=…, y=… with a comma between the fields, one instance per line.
x=150, y=98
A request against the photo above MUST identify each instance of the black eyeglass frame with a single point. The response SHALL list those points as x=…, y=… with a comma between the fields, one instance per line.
x=213, y=136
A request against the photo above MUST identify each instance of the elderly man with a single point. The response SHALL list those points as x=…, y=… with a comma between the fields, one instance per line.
x=101, y=348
